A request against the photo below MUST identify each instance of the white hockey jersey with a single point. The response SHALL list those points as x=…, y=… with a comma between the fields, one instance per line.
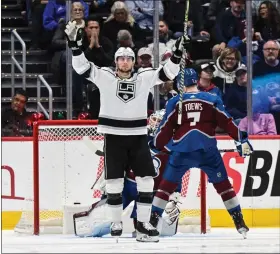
x=123, y=102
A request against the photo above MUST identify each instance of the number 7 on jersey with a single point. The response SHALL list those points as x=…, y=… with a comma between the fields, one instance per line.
x=195, y=116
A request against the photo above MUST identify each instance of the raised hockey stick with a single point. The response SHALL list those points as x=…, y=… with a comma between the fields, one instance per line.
x=183, y=63
x=88, y=142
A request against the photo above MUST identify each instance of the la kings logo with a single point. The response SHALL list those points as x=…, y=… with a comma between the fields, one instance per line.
x=126, y=90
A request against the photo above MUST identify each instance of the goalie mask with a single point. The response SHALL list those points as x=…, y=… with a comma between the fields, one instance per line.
x=154, y=121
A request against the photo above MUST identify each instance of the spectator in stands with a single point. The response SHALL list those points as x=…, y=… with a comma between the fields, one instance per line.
x=59, y=42
x=175, y=16
x=97, y=48
x=37, y=32
x=59, y=59
x=241, y=45
x=262, y=124
x=257, y=3
x=229, y=23
x=216, y=7
x=55, y=10
x=25, y=7
x=205, y=73
x=101, y=8
x=226, y=65
x=143, y=11
x=266, y=81
x=144, y=58
x=124, y=39
x=14, y=118
x=166, y=92
x=45, y=19
x=268, y=21
x=166, y=42
x=235, y=100
x=120, y=19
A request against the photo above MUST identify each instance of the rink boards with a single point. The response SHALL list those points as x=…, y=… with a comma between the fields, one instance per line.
x=255, y=179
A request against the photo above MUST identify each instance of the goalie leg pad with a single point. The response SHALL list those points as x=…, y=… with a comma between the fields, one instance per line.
x=228, y=195
x=114, y=188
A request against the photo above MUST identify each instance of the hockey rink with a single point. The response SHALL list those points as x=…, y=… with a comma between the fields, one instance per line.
x=222, y=240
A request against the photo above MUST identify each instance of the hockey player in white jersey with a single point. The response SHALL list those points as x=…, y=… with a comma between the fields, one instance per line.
x=95, y=223
x=123, y=120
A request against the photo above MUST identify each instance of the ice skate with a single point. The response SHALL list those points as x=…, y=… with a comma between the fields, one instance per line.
x=116, y=229
x=154, y=219
x=145, y=232
x=240, y=224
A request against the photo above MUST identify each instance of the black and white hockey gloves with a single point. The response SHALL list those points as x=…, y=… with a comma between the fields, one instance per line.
x=182, y=43
x=74, y=35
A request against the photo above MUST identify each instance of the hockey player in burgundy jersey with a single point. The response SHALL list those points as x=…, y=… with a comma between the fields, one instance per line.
x=193, y=144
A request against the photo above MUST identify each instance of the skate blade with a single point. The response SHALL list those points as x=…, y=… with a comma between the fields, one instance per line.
x=243, y=232
x=116, y=235
x=145, y=238
x=117, y=239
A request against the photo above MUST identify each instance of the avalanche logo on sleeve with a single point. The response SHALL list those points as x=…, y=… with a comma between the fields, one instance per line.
x=157, y=164
x=126, y=90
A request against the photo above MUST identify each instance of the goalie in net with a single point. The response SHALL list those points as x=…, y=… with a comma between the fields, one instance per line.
x=95, y=223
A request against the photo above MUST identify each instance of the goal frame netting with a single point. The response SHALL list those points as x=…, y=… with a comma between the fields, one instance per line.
x=36, y=172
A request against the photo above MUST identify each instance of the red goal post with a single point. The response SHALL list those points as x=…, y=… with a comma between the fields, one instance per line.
x=64, y=170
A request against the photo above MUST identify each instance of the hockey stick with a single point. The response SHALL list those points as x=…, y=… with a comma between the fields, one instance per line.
x=97, y=179
x=86, y=213
x=183, y=63
x=90, y=145
x=88, y=142
x=227, y=150
x=126, y=212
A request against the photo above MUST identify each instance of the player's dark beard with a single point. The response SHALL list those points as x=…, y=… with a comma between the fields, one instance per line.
x=124, y=73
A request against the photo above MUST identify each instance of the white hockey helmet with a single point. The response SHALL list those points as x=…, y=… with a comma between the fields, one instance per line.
x=154, y=121
x=122, y=51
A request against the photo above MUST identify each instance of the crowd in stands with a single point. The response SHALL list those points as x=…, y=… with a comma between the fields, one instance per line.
x=218, y=50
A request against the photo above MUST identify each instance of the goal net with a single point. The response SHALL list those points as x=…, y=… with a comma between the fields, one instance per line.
x=65, y=169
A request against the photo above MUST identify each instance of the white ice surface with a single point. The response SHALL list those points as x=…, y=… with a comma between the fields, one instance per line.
x=226, y=240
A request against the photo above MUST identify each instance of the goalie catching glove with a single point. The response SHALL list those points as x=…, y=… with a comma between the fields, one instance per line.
x=74, y=35
x=244, y=147
x=172, y=209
